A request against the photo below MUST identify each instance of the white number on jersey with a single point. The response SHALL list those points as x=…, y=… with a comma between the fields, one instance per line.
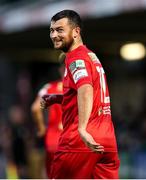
x=104, y=98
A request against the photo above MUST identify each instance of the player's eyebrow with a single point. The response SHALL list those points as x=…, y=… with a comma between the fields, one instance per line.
x=56, y=28
x=59, y=26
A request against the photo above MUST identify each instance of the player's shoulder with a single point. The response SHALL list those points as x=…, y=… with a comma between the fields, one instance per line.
x=56, y=87
x=50, y=85
x=78, y=55
x=86, y=54
x=83, y=52
x=54, y=84
x=57, y=83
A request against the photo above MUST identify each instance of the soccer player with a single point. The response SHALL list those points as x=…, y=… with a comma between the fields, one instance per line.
x=54, y=126
x=87, y=146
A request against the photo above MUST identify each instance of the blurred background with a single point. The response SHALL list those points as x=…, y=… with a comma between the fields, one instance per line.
x=116, y=31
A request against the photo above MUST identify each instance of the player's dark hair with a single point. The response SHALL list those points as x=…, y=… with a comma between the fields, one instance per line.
x=72, y=16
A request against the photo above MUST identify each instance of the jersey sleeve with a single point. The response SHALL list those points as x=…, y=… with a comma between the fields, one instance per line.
x=81, y=72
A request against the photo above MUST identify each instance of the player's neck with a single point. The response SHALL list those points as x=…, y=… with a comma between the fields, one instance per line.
x=76, y=44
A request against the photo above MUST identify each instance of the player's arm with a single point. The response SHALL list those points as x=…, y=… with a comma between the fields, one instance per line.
x=50, y=99
x=85, y=104
x=38, y=117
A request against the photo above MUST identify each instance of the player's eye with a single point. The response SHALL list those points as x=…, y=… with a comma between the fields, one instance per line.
x=51, y=30
x=60, y=30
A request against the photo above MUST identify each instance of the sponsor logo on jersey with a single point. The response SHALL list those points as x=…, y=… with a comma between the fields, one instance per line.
x=79, y=74
x=107, y=110
x=76, y=65
x=80, y=63
x=104, y=110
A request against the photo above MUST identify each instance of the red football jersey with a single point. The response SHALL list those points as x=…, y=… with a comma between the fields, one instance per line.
x=83, y=67
x=54, y=127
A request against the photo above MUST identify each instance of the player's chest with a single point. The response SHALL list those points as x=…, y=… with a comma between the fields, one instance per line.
x=67, y=81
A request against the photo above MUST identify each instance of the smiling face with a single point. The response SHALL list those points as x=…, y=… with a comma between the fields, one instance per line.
x=62, y=34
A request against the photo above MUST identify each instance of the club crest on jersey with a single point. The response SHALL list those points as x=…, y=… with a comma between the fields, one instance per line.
x=76, y=65
x=93, y=57
x=72, y=67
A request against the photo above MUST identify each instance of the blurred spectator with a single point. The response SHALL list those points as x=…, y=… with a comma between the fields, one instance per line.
x=19, y=130
x=54, y=126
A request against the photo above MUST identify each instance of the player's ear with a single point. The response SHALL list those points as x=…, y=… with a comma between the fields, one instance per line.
x=76, y=32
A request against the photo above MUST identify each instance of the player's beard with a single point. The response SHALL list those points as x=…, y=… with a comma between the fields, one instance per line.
x=65, y=44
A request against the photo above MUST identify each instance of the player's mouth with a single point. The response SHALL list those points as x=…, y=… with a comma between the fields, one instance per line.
x=57, y=42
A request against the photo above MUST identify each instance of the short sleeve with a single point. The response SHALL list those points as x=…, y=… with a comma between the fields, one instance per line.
x=81, y=72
